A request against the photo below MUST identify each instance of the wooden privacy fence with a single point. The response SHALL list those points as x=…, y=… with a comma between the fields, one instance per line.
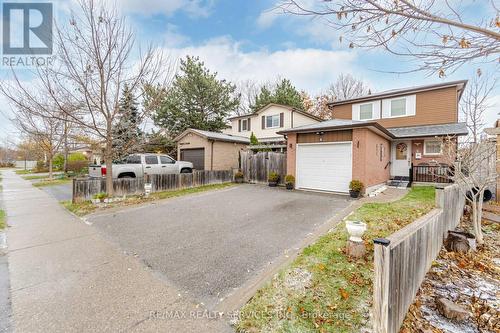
x=402, y=260
x=257, y=166
x=85, y=189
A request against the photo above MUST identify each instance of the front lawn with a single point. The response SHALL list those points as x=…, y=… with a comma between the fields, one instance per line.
x=3, y=223
x=323, y=290
x=52, y=182
x=87, y=207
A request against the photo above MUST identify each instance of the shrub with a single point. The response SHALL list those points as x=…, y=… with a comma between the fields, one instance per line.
x=100, y=196
x=238, y=174
x=77, y=157
x=289, y=179
x=77, y=166
x=58, y=161
x=273, y=177
x=356, y=185
x=40, y=167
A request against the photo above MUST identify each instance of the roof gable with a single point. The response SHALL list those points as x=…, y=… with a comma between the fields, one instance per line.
x=286, y=107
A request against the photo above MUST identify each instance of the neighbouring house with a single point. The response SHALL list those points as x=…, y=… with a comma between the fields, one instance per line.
x=266, y=122
x=210, y=150
x=394, y=135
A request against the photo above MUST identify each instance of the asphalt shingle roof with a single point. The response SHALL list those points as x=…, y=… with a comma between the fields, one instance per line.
x=429, y=130
x=222, y=136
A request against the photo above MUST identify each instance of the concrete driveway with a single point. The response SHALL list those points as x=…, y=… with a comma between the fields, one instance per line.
x=211, y=245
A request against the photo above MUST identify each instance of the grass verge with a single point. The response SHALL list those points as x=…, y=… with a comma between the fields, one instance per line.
x=84, y=208
x=323, y=290
x=53, y=182
x=34, y=177
x=3, y=222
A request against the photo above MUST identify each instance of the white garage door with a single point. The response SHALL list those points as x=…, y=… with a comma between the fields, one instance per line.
x=324, y=166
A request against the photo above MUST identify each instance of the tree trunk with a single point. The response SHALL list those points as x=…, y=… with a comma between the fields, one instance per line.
x=66, y=149
x=51, y=176
x=109, y=165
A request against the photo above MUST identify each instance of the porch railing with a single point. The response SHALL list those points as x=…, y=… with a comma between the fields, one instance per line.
x=431, y=173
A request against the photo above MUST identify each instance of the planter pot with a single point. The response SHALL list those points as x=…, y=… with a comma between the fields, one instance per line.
x=273, y=184
x=289, y=186
x=354, y=194
x=356, y=229
x=238, y=180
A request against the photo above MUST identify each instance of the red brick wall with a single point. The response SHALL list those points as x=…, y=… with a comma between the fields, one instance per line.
x=367, y=165
x=291, y=153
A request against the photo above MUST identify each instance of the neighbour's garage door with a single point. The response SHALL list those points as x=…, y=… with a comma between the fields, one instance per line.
x=195, y=156
x=324, y=166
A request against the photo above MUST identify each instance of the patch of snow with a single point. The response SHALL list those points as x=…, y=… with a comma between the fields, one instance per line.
x=298, y=279
x=447, y=325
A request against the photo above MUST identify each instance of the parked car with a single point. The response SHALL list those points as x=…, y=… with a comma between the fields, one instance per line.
x=139, y=165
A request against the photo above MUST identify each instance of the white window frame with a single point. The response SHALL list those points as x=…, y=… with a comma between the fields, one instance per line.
x=433, y=154
x=405, y=104
x=356, y=110
x=372, y=111
x=410, y=106
x=245, y=127
x=272, y=116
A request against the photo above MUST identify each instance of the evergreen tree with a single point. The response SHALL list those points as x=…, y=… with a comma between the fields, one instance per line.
x=283, y=92
x=197, y=99
x=253, y=140
x=126, y=131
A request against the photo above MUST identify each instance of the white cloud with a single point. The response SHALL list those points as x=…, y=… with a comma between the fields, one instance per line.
x=195, y=8
x=309, y=69
x=267, y=18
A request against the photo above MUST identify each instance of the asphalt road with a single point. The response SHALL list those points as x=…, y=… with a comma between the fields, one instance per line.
x=63, y=192
x=209, y=244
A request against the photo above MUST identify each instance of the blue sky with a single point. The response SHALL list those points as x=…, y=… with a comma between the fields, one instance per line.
x=243, y=40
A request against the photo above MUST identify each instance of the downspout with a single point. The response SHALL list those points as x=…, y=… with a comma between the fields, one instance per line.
x=212, y=156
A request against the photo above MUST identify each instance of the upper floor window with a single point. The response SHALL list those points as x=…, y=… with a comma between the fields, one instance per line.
x=273, y=121
x=366, y=111
x=433, y=147
x=398, y=107
x=244, y=125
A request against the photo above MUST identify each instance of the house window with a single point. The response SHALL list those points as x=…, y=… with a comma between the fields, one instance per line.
x=273, y=121
x=244, y=125
x=366, y=111
x=433, y=147
x=398, y=107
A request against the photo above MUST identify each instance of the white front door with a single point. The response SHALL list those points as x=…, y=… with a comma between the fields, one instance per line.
x=324, y=166
x=401, y=158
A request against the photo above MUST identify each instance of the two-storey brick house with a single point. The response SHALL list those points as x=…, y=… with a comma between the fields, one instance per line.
x=376, y=138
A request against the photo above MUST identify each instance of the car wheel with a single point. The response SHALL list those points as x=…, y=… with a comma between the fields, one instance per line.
x=186, y=171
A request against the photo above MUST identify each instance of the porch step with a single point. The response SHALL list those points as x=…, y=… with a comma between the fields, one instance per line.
x=399, y=182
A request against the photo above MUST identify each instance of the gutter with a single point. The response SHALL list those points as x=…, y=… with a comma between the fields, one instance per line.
x=339, y=127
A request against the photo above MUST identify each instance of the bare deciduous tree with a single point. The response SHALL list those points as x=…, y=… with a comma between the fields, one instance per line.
x=474, y=171
x=247, y=91
x=474, y=103
x=45, y=131
x=347, y=86
x=436, y=33
x=95, y=58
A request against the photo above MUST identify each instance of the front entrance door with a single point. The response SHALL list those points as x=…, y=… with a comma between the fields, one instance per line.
x=401, y=158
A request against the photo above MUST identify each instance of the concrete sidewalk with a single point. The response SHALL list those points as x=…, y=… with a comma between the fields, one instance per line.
x=64, y=277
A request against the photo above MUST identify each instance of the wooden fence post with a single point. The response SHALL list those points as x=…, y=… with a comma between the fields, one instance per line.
x=382, y=253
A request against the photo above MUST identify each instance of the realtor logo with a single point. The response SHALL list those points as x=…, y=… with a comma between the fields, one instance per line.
x=27, y=33
x=27, y=28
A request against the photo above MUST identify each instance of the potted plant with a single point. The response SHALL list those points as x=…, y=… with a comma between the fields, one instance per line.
x=355, y=187
x=290, y=182
x=273, y=179
x=238, y=177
